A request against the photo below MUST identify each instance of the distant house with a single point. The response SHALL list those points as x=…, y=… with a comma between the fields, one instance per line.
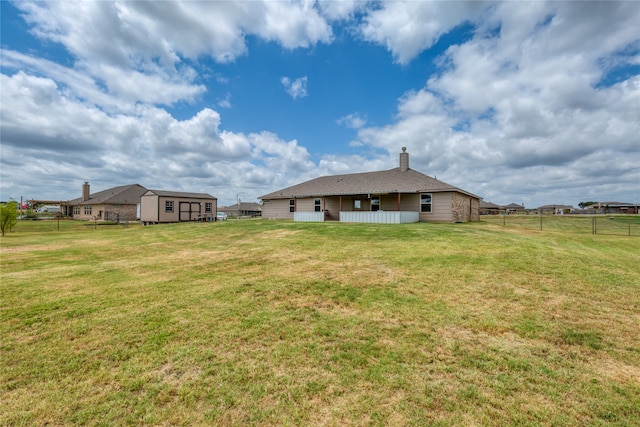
x=514, y=208
x=114, y=204
x=616, y=207
x=555, y=209
x=488, y=208
x=392, y=196
x=242, y=209
x=158, y=206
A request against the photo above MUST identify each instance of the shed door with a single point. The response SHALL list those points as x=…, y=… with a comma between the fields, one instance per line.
x=189, y=211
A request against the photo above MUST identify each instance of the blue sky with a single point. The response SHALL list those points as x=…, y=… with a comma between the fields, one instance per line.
x=527, y=102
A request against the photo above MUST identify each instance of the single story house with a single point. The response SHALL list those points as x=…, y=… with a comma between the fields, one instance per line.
x=243, y=209
x=396, y=195
x=158, y=206
x=488, y=208
x=616, y=207
x=114, y=204
x=515, y=208
x=554, y=209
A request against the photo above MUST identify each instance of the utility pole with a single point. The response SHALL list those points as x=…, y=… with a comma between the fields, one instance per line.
x=238, y=204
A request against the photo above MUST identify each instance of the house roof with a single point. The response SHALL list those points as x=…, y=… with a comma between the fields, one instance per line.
x=489, y=205
x=244, y=206
x=514, y=206
x=555, y=207
x=381, y=182
x=616, y=204
x=164, y=193
x=122, y=195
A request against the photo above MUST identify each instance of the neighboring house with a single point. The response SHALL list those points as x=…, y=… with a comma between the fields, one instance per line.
x=515, y=208
x=244, y=209
x=114, y=204
x=616, y=207
x=392, y=196
x=555, y=209
x=488, y=208
x=158, y=206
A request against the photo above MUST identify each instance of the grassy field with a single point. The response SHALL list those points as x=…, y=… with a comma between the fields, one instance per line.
x=278, y=323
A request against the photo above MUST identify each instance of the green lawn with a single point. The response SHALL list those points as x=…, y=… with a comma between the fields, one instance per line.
x=263, y=322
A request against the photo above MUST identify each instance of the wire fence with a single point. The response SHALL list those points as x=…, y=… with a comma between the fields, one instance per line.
x=39, y=225
x=618, y=225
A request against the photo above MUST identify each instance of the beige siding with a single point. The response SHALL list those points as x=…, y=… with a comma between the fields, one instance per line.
x=332, y=204
x=440, y=208
x=149, y=208
x=153, y=208
x=276, y=209
x=307, y=204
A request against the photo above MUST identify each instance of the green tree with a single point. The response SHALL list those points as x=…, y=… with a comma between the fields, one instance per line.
x=584, y=205
x=8, y=215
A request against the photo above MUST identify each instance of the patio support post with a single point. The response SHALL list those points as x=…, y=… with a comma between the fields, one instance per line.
x=398, y=202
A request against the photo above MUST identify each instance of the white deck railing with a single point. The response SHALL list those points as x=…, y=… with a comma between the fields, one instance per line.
x=308, y=216
x=380, y=217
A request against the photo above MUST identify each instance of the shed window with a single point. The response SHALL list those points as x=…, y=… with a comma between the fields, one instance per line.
x=317, y=205
x=168, y=206
x=425, y=203
x=375, y=203
x=292, y=205
x=208, y=207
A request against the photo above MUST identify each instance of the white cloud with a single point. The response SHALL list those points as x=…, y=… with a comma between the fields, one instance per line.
x=516, y=112
x=528, y=106
x=352, y=121
x=147, y=146
x=295, y=88
x=408, y=28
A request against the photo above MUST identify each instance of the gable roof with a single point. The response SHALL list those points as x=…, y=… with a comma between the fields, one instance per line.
x=514, y=206
x=163, y=193
x=122, y=195
x=382, y=182
x=489, y=205
x=244, y=206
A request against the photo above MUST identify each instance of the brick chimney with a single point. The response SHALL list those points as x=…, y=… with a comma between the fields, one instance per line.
x=404, y=160
x=85, y=191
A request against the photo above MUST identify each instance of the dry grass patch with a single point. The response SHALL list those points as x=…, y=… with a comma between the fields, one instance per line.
x=278, y=323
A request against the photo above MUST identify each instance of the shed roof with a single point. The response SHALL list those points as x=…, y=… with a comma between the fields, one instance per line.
x=382, y=182
x=122, y=195
x=186, y=195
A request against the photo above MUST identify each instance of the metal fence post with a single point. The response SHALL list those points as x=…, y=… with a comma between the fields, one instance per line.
x=540, y=220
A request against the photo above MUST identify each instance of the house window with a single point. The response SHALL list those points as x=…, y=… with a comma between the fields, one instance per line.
x=375, y=203
x=76, y=210
x=425, y=203
x=292, y=205
x=208, y=207
x=168, y=206
x=316, y=205
x=357, y=204
x=87, y=209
